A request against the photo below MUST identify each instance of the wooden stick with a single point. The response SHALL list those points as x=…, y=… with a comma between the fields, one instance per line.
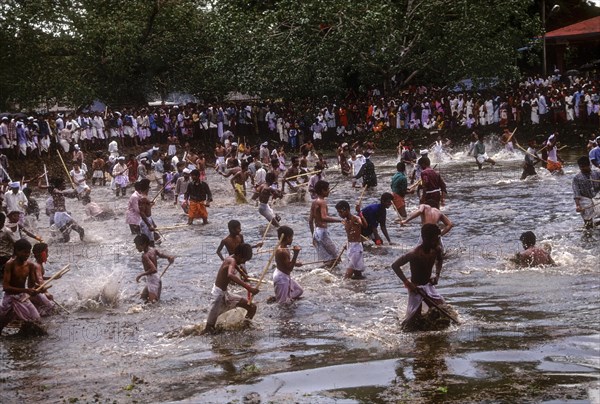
x=314, y=262
x=430, y=302
x=414, y=186
x=161, y=190
x=61, y=306
x=46, y=175
x=338, y=257
x=165, y=270
x=532, y=155
x=264, y=272
x=302, y=175
x=66, y=170
x=256, y=280
x=176, y=226
x=265, y=235
x=60, y=273
x=362, y=194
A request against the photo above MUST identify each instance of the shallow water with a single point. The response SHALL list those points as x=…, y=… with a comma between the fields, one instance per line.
x=525, y=334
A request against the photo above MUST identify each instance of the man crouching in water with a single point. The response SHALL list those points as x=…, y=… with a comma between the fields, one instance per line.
x=532, y=256
x=224, y=301
x=421, y=260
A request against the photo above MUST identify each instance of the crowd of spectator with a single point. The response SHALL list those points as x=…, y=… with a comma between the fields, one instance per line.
x=556, y=99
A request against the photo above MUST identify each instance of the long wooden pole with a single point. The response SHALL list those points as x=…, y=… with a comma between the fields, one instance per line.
x=265, y=235
x=362, y=194
x=338, y=257
x=161, y=190
x=302, y=175
x=430, y=302
x=165, y=270
x=66, y=170
x=264, y=272
x=60, y=273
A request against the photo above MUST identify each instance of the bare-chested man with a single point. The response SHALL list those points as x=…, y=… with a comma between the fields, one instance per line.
x=233, y=239
x=432, y=215
x=238, y=182
x=225, y=301
x=286, y=289
x=317, y=220
x=266, y=191
x=293, y=171
x=151, y=292
x=421, y=259
x=353, y=225
x=220, y=152
x=43, y=302
x=15, y=303
x=532, y=256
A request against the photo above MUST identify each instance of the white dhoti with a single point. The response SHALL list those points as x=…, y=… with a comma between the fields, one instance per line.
x=265, y=210
x=223, y=302
x=413, y=307
x=286, y=289
x=326, y=249
x=153, y=285
x=62, y=219
x=481, y=158
x=355, y=256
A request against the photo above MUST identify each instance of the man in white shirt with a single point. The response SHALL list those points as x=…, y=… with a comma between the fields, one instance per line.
x=15, y=200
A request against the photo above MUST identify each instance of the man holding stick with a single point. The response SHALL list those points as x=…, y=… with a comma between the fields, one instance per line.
x=286, y=289
x=151, y=293
x=421, y=285
x=225, y=301
x=15, y=303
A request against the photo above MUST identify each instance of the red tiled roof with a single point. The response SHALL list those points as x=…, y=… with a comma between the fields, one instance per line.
x=584, y=29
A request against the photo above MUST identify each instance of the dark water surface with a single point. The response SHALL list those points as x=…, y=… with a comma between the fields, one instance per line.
x=526, y=335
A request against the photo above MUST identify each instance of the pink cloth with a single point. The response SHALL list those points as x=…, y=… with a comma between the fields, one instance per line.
x=133, y=210
x=18, y=307
x=286, y=289
x=43, y=305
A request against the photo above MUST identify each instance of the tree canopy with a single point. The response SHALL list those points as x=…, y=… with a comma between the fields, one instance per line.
x=127, y=51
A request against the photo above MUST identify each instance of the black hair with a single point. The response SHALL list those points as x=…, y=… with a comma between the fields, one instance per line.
x=321, y=186
x=386, y=197
x=429, y=233
x=38, y=248
x=528, y=238
x=243, y=250
x=342, y=205
x=141, y=239
x=583, y=161
x=400, y=167
x=232, y=224
x=285, y=230
x=22, y=245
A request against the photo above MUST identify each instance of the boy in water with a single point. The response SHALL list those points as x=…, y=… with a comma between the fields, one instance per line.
x=15, y=303
x=147, y=225
x=266, y=191
x=317, y=221
x=197, y=198
x=353, y=225
x=375, y=216
x=421, y=259
x=532, y=256
x=151, y=293
x=43, y=302
x=234, y=239
x=223, y=300
x=286, y=289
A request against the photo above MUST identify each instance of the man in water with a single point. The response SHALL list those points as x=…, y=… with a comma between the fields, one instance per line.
x=421, y=259
x=595, y=154
x=223, y=300
x=375, y=215
x=531, y=159
x=317, y=221
x=586, y=186
x=532, y=256
x=434, y=187
x=367, y=172
x=480, y=154
x=430, y=215
x=150, y=255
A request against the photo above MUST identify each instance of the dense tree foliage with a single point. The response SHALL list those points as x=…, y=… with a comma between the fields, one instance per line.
x=125, y=51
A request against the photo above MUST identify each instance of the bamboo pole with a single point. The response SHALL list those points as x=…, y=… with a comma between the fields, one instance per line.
x=66, y=170
x=302, y=175
x=57, y=275
x=165, y=270
x=338, y=257
x=264, y=272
